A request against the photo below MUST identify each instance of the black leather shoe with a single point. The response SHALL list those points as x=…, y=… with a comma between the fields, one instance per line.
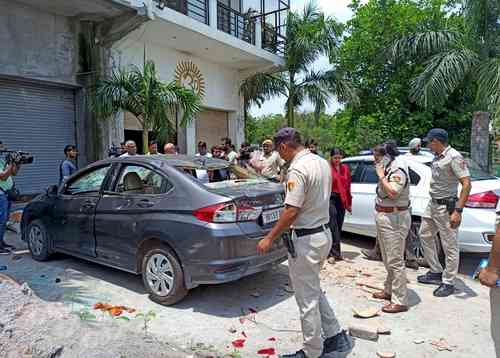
x=431, y=278
x=298, y=354
x=413, y=264
x=371, y=255
x=340, y=343
x=444, y=290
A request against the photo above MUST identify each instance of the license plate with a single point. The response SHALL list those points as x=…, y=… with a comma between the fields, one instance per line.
x=271, y=216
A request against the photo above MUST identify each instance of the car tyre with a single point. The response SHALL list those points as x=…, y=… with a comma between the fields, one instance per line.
x=38, y=241
x=417, y=247
x=163, y=277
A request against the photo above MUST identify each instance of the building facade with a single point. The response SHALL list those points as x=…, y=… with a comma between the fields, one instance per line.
x=53, y=51
x=210, y=46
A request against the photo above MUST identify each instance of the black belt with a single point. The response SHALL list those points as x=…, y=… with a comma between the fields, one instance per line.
x=443, y=201
x=315, y=230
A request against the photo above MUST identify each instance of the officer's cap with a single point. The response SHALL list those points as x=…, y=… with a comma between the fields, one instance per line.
x=414, y=143
x=286, y=134
x=437, y=133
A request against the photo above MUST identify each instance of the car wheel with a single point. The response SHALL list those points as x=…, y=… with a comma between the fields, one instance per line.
x=163, y=276
x=415, y=244
x=38, y=241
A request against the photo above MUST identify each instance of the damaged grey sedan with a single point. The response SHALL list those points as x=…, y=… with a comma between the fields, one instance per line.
x=179, y=221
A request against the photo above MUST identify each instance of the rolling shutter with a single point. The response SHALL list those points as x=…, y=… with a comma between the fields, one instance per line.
x=39, y=119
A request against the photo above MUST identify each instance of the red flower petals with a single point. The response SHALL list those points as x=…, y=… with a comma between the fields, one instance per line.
x=239, y=343
x=267, y=352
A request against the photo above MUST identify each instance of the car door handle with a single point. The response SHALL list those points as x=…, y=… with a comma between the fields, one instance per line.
x=87, y=205
x=145, y=204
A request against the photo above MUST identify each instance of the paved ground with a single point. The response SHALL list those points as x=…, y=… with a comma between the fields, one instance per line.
x=210, y=318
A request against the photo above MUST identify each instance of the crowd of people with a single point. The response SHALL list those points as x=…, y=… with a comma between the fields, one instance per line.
x=317, y=197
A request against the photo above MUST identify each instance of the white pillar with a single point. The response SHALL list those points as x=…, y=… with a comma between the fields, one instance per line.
x=258, y=33
x=212, y=11
x=191, y=137
x=236, y=128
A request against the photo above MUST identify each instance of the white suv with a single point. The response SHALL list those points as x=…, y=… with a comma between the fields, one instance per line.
x=478, y=220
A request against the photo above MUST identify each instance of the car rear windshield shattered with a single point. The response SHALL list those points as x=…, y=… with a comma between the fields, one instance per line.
x=218, y=174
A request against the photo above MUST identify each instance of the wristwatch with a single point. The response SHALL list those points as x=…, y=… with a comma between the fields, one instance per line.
x=459, y=210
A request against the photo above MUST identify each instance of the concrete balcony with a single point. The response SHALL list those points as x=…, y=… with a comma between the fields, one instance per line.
x=212, y=30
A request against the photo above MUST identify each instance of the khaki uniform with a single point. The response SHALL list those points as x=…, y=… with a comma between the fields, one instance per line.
x=308, y=187
x=447, y=169
x=393, y=229
x=270, y=164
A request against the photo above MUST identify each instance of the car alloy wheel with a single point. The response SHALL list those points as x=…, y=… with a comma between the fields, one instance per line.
x=160, y=275
x=36, y=240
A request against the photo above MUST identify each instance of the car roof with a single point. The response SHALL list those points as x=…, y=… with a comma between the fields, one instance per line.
x=173, y=160
x=420, y=159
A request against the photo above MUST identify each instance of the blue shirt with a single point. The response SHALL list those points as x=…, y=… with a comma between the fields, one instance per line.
x=67, y=169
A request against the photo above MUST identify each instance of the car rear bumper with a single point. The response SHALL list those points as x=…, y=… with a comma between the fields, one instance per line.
x=476, y=225
x=221, y=271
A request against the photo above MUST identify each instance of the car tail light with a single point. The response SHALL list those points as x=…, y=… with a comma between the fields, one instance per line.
x=486, y=200
x=227, y=213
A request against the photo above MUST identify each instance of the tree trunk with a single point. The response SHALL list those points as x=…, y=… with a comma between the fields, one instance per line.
x=145, y=139
x=291, y=95
x=480, y=139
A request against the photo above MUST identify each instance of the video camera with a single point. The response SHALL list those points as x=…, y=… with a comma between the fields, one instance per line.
x=17, y=157
x=114, y=151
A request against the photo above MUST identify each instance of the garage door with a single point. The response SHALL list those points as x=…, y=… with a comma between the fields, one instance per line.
x=211, y=126
x=38, y=119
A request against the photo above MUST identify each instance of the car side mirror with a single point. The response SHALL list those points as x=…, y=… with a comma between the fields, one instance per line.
x=52, y=190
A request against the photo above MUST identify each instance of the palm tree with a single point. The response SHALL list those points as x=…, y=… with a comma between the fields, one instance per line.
x=309, y=34
x=454, y=58
x=143, y=94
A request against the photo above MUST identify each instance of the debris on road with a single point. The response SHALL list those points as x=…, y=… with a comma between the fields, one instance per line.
x=364, y=332
x=386, y=354
x=365, y=313
x=383, y=330
x=267, y=352
x=443, y=345
x=419, y=341
x=371, y=285
x=232, y=330
x=239, y=343
x=114, y=311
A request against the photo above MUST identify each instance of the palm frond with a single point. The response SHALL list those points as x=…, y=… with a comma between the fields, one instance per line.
x=489, y=86
x=423, y=44
x=261, y=87
x=443, y=73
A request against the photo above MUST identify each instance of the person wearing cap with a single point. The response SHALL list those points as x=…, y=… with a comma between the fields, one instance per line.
x=268, y=163
x=443, y=214
x=308, y=187
x=415, y=146
x=393, y=222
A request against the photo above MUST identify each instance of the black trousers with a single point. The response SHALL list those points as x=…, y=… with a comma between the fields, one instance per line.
x=337, y=214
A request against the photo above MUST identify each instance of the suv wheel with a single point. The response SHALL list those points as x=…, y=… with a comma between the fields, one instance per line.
x=163, y=277
x=416, y=244
x=38, y=241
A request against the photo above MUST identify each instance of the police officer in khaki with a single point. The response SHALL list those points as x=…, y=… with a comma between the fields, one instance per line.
x=490, y=277
x=306, y=213
x=393, y=222
x=444, y=212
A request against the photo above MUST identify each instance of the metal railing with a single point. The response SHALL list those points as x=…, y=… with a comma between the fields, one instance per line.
x=195, y=9
x=274, y=31
x=235, y=23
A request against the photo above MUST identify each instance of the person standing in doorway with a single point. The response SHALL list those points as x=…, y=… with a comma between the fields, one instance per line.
x=153, y=148
x=68, y=166
x=443, y=214
x=307, y=200
x=340, y=199
x=130, y=149
x=393, y=220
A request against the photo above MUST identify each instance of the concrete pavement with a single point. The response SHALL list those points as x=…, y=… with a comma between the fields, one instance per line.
x=211, y=317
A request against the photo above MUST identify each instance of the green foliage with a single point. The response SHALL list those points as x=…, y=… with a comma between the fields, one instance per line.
x=142, y=93
x=310, y=34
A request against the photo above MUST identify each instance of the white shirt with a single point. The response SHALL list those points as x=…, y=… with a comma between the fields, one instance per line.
x=207, y=155
x=232, y=157
x=202, y=174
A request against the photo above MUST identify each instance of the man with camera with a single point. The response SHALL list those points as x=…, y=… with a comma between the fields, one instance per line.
x=7, y=171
